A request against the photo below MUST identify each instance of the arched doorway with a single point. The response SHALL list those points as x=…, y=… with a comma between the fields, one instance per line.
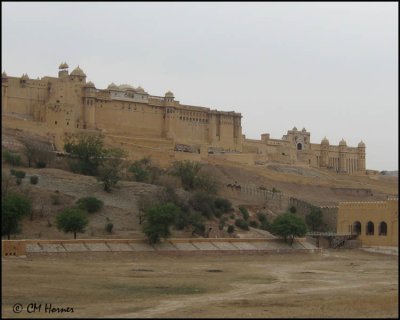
x=383, y=228
x=299, y=146
x=370, y=228
x=357, y=227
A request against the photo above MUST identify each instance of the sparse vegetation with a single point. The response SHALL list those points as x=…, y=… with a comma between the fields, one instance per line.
x=231, y=229
x=72, y=220
x=109, y=227
x=292, y=209
x=109, y=170
x=187, y=171
x=242, y=224
x=20, y=174
x=253, y=224
x=223, y=204
x=55, y=198
x=314, y=220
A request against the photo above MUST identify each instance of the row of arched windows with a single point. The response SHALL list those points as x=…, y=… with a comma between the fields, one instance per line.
x=369, y=228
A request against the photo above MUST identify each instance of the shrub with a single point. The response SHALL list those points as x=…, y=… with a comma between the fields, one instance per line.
x=41, y=164
x=253, y=224
x=204, y=203
x=13, y=209
x=240, y=223
x=90, y=204
x=34, y=179
x=221, y=226
x=187, y=172
x=55, y=198
x=19, y=181
x=261, y=217
x=231, y=229
x=13, y=159
x=293, y=209
x=109, y=227
x=265, y=225
x=218, y=213
x=20, y=174
x=244, y=212
x=13, y=171
x=224, y=204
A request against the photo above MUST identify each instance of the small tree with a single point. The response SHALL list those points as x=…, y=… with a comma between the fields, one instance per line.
x=158, y=221
x=109, y=171
x=12, y=158
x=13, y=208
x=224, y=204
x=72, y=220
x=187, y=172
x=289, y=226
x=244, y=212
x=314, y=220
x=231, y=229
x=88, y=151
x=90, y=204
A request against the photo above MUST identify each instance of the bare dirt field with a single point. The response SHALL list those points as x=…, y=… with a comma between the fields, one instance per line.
x=345, y=283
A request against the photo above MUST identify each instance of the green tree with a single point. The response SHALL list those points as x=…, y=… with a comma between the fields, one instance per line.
x=110, y=169
x=158, y=221
x=187, y=172
x=314, y=220
x=289, y=226
x=244, y=212
x=224, y=204
x=13, y=208
x=72, y=220
x=88, y=151
x=203, y=202
x=11, y=158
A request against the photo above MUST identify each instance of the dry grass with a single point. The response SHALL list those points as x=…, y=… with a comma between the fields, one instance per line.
x=331, y=284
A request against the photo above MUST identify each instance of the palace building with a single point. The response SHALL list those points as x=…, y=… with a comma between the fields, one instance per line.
x=159, y=126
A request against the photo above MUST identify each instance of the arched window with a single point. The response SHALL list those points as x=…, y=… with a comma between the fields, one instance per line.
x=357, y=227
x=299, y=146
x=383, y=229
x=370, y=229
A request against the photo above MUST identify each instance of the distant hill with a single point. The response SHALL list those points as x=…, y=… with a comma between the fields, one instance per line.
x=390, y=173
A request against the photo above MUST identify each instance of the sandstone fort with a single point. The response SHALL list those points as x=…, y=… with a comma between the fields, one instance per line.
x=160, y=126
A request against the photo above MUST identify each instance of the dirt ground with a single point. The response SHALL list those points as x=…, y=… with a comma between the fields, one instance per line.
x=345, y=283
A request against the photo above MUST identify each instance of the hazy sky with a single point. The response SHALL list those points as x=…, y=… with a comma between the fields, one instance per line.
x=329, y=67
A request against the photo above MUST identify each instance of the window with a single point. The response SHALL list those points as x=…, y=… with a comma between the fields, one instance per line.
x=55, y=122
x=370, y=229
x=357, y=227
x=383, y=229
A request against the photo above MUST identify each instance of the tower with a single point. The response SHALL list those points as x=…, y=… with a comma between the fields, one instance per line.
x=323, y=160
x=63, y=70
x=4, y=92
x=361, y=157
x=342, y=156
x=89, y=106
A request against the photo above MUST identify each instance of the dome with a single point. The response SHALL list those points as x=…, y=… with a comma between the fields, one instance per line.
x=4, y=74
x=112, y=86
x=294, y=129
x=361, y=144
x=140, y=89
x=125, y=86
x=25, y=76
x=304, y=130
x=169, y=94
x=78, y=72
x=325, y=141
x=342, y=143
x=90, y=84
x=63, y=65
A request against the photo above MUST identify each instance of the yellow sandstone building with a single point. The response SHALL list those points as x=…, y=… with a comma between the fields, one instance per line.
x=159, y=126
x=376, y=223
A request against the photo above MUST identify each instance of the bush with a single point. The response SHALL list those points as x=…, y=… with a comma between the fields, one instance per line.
x=13, y=159
x=253, y=224
x=34, y=179
x=13, y=171
x=55, y=198
x=13, y=208
x=231, y=229
x=19, y=181
x=41, y=164
x=20, y=174
x=265, y=225
x=224, y=204
x=90, y=204
x=289, y=226
x=109, y=227
x=204, y=203
x=244, y=212
x=293, y=209
x=261, y=217
x=240, y=223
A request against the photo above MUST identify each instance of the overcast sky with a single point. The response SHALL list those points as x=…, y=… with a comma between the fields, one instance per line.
x=329, y=67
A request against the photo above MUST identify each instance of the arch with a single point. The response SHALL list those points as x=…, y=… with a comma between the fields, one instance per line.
x=383, y=228
x=357, y=227
x=370, y=228
x=299, y=146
